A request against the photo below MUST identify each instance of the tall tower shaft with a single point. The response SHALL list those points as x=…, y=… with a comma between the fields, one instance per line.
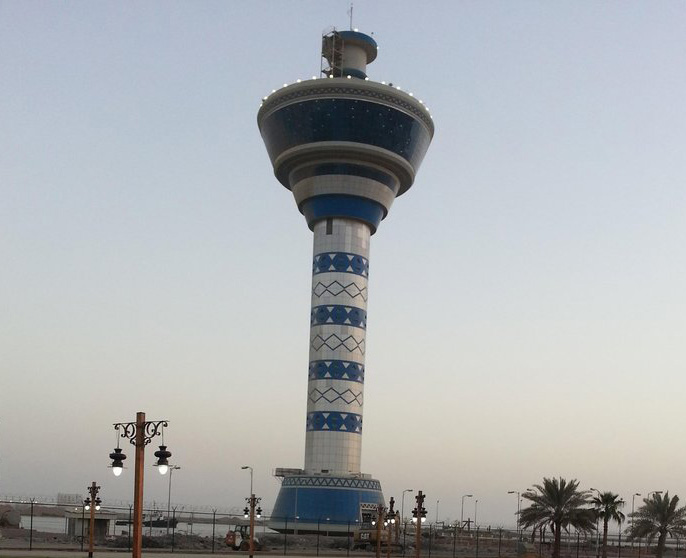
x=346, y=147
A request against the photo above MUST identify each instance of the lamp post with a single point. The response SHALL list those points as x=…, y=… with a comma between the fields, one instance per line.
x=476, y=505
x=419, y=517
x=140, y=434
x=437, y=502
x=251, y=511
x=597, y=533
x=402, y=504
x=92, y=503
x=390, y=521
x=633, y=496
x=462, y=509
x=252, y=502
x=171, y=470
x=517, y=493
x=378, y=522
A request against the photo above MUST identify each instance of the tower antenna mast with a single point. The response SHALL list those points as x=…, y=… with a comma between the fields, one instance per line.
x=350, y=13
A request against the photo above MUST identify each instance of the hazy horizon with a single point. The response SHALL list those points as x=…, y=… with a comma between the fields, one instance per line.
x=526, y=296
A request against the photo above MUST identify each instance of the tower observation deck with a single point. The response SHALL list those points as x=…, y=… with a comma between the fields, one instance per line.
x=346, y=147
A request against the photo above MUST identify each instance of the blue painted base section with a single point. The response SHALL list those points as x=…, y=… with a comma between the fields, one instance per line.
x=332, y=502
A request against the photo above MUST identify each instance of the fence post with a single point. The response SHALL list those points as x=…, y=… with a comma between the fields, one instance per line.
x=619, y=544
x=318, y=522
x=31, y=528
x=454, y=539
x=173, y=527
x=347, y=546
x=128, y=530
x=477, y=542
x=430, y=540
x=83, y=521
x=639, y=548
x=577, y=544
x=500, y=540
x=214, y=522
x=285, y=536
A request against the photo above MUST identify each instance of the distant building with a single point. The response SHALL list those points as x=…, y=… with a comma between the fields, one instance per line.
x=78, y=524
x=73, y=499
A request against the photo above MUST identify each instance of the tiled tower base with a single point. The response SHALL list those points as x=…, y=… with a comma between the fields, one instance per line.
x=328, y=503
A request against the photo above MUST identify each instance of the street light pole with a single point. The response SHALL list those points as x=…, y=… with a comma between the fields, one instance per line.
x=171, y=470
x=633, y=496
x=402, y=504
x=140, y=434
x=437, y=501
x=380, y=511
x=419, y=516
x=476, y=504
x=517, y=493
x=92, y=503
x=462, y=510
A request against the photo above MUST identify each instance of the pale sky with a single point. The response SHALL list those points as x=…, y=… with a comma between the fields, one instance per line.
x=527, y=310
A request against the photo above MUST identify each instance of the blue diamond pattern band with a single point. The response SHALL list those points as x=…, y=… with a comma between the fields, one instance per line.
x=335, y=422
x=337, y=314
x=343, y=262
x=336, y=370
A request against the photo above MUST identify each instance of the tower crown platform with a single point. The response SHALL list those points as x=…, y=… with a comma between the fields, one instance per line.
x=345, y=146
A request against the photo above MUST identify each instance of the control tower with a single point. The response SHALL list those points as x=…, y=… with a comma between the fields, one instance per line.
x=345, y=146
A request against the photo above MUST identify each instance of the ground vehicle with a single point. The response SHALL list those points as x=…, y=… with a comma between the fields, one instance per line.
x=365, y=538
x=239, y=539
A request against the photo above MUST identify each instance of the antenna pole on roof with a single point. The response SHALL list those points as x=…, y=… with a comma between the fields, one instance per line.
x=350, y=13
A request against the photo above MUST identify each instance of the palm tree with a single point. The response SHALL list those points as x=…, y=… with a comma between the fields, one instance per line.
x=658, y=516
x=560, y=505
x=607, y=507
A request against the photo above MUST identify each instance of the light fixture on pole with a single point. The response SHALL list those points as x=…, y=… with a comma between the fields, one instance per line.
x=518, y=509
x=140, y=434
x=633, y=496
x=92, y=504
x=597, y=522
x=462, y=510
x=419, y=517
x=172, y=468
x=378, y=522
x=476, y=505
x=390, y=522
x=251, y=511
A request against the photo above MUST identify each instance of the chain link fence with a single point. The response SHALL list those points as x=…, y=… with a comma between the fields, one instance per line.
x=41, y=526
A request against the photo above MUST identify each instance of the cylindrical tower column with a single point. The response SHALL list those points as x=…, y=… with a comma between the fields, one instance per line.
x=338, y=323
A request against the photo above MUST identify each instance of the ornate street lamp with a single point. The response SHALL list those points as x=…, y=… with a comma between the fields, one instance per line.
x=379, y=522
x=419, y=517
x=390, y=522
x=252, y=511
x=92, y=504
x=140, y=434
